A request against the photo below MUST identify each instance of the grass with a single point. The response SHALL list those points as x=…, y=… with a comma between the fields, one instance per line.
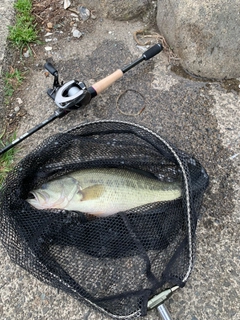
x=6, y=159
x=24, y=32
x=12, y=80
x=21, y=35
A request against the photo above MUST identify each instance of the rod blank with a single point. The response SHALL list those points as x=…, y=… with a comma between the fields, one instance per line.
x=31, y=131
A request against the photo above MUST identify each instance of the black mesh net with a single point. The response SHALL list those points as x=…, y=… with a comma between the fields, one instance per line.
x=115, y=263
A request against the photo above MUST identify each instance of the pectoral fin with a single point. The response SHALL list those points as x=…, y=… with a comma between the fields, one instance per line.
x=92, y=192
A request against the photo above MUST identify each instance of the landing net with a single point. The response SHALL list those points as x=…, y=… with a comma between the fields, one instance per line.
x=115, y=263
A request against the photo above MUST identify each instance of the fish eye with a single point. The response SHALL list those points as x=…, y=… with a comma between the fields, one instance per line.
x=44, y=186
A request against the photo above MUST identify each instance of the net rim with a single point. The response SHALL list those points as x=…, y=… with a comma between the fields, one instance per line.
x=187, y=192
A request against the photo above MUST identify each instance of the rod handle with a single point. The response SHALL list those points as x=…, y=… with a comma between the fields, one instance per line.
x=152, y=51
x=103, y=84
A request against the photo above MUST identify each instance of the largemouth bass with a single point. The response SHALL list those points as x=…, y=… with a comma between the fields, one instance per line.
x=103, y=192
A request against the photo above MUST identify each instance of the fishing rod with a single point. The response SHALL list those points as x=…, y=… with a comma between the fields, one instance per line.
x=74, y=94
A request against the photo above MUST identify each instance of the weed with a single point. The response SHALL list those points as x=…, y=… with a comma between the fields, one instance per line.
x=6, y=159
x=24, y=31
x=12, y=80
x=23, y=6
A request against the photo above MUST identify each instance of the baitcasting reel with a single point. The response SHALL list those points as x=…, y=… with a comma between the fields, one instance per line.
x=68, y=96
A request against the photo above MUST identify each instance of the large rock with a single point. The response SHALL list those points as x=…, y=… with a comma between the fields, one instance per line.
x=204, y=34
x=126, y=9
x=119, y=10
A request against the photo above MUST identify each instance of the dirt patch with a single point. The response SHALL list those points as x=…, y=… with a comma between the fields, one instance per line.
x=48, y=11
x=51, y=17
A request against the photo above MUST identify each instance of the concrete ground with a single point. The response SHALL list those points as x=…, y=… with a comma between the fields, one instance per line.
x=6, y=15
x=199, y=117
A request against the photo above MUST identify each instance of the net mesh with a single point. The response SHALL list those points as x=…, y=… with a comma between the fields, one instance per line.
x=115, y=263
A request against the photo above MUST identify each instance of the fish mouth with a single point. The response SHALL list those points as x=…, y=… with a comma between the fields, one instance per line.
x=38, y=199
x=41, y=199
x=41, y=196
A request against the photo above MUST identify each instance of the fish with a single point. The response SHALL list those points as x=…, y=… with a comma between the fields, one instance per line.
x=103, y=191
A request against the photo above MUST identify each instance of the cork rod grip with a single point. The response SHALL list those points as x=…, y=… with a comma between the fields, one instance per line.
x=103, y=84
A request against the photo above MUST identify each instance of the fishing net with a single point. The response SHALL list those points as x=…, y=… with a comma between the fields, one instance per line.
x=115, y=263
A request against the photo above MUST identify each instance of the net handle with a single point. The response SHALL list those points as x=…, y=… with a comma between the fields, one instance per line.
x=163, y=312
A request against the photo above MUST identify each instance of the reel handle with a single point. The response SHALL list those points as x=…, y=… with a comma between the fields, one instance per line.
x=50, y=68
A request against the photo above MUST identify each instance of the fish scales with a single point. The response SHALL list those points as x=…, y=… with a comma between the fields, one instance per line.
x=103, y=192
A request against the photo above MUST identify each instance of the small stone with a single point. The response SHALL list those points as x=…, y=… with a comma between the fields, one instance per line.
x=26, y=54
x=19, y=100
x=66, y=4
x=93, y=16
x=16, y=109
x=76, y=33
x=49, y=25
x=74, y=15
x=48, y=48
x=84, y=13
x=45, y=310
